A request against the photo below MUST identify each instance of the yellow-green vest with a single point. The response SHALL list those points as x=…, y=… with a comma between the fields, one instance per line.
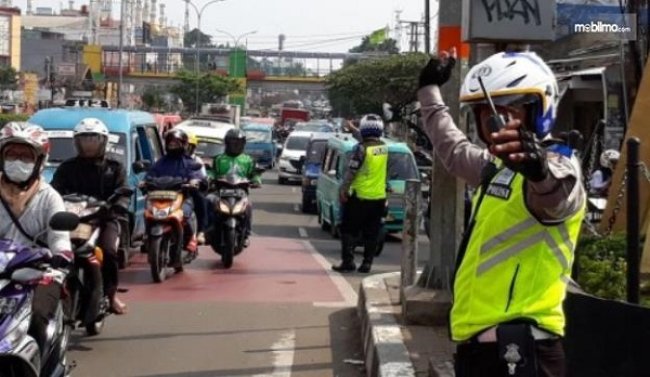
x=514, y=266
x=370, y=181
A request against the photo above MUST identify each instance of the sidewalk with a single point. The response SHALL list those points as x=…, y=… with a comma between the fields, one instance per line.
x=392, y=349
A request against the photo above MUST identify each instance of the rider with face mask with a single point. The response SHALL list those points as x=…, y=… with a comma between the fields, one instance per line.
x=176, y=163
x=94, y=174
x=235, y=160
x=24, y=151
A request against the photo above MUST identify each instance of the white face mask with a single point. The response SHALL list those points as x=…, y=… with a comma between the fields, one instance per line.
x=19, y=171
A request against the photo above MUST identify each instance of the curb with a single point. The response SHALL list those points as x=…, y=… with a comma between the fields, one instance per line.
x=385, y=353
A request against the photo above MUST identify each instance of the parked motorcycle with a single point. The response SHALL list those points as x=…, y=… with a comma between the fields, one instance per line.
x=90, y=305
x=22, y=269
x=229, y=201
x=164, y=222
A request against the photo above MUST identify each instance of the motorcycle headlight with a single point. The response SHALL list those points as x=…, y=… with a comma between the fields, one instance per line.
x=17, y=330
x=223, y=207
x=161, y=213
x=239, y=207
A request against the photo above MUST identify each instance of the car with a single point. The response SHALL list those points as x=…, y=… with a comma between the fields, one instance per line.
x=260, y=144
x=211, y=140
x=133, y=140
x=311, y=169
x=401, y=167
x=294, y=148
x=315, y=126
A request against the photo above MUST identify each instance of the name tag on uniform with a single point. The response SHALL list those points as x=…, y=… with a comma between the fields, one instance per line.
x=500, y=185
x=379, y=151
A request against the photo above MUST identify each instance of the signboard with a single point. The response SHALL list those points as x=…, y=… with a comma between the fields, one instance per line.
x=66, y=69
x=508, y=21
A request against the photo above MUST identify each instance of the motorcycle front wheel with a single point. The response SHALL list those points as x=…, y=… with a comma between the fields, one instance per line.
x=158, y=256
x=228, y=252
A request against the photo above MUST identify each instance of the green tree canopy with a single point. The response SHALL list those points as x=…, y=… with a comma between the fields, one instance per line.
x=363, y=87
x=189, y=40
x=8, y=78
x=388, y=45
x=212, y=88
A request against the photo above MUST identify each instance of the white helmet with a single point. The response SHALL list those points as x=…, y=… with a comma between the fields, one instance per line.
x=609, y=157
x=515, y=78
x=26, y=133
x=92, y=126
x=371, y=125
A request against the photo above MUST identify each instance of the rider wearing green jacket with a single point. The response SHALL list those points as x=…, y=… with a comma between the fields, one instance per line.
x=235, y=160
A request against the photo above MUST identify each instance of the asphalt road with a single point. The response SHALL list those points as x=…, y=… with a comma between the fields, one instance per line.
x=279, y=311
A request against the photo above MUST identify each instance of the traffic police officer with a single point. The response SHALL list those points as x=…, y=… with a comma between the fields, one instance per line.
x=363, y=195
x=515, y=261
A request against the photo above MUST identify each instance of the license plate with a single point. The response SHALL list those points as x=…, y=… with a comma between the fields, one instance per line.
x=227, y=192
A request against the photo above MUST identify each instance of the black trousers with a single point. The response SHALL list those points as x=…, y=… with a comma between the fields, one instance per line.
x=363, y=217
x=482, y=360
x=46, y=298
x=108, y=239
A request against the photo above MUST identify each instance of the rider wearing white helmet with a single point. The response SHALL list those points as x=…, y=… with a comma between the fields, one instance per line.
x=95, y=174
x=601, y=179
x=516, y=257
x=31, y=202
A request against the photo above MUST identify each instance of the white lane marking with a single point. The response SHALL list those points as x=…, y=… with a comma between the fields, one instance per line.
x=294, y=189
x=283, y=351
x=296, y=208
x=303, y=232
x=345, y=289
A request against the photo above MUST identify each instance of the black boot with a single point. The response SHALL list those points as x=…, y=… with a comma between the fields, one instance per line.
x=369, y=249
x=347, y=255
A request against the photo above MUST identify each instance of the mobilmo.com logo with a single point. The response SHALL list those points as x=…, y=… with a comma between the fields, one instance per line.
x=601, y=27
x=620, y=26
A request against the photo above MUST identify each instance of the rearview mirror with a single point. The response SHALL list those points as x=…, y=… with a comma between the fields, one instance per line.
x=141, y=166
x=64, y=221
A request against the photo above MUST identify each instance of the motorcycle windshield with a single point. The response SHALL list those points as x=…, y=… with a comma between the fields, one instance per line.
x=14, y=255
x=165, y=183
x=233, y=180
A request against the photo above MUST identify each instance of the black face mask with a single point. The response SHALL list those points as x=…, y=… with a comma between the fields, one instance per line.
x=176, y=153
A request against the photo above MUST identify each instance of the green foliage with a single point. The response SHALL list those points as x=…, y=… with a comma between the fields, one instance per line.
x=602, y=266
x=153, y=98
x=8, y=79
x=212, y=88
x=388, y=45
x=6, y=118
x=190, y=39
x=363, y=87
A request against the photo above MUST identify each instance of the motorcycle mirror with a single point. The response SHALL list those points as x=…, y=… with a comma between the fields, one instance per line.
x=141, y=166
x=64, y=221
x=388, y=112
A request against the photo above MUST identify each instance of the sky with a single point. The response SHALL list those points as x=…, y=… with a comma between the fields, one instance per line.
x=309, y=25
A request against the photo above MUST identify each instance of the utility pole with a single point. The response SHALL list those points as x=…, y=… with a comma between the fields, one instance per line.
x=121, y=58
x=427, y=26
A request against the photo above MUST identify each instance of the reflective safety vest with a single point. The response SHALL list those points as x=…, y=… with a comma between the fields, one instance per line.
x=370, y=181
x=514, y=266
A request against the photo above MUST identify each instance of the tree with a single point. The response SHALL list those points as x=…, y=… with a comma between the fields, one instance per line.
x=8, y=79
x=189, y=40
x=153, y=98
x=363, y=87
x=212, y=88
x=388, y=45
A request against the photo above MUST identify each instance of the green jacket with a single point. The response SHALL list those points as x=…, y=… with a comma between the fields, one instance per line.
x=244, y=164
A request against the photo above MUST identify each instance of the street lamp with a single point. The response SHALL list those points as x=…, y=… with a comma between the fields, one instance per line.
x=199, y=13
x=236, y=40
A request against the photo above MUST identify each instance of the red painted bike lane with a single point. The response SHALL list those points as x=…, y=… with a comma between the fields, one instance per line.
x=269, y=270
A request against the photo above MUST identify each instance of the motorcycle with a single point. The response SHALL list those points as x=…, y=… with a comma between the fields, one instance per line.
x=164, y=222
x=22, y=269
x=229, y=202
x=90, y=306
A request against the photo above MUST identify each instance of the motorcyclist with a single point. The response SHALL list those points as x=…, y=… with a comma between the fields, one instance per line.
x=94, y=174
x=24, y=149
x=601, y=179
x=235, y=160
x=176, y=163
x=200, y=203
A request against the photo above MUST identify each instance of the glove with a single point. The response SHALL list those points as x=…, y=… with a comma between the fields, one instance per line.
x=534, y=165
x=62, y=260
x=438, y=70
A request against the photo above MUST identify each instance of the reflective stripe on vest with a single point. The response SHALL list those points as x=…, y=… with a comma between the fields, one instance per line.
x=514, y=267
x=370, y=181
